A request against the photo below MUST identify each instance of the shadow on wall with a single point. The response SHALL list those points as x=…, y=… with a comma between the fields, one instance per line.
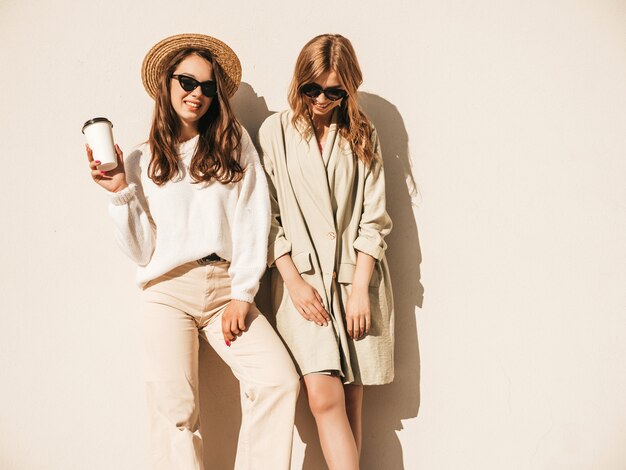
x=385, y=406
x=250, y=109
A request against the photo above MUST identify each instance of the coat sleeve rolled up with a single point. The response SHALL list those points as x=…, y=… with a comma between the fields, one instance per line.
x=375, y=223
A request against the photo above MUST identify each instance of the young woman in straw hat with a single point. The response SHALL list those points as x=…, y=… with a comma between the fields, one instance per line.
x=191, y=208
x=331, y=288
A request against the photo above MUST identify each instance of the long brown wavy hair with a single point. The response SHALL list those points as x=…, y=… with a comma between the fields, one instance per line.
x=219, y=144
x=325, y=53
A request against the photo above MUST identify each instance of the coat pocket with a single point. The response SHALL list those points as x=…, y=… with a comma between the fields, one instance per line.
x=302, y=261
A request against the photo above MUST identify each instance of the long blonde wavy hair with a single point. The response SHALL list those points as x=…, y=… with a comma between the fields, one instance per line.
x=325, y=53
x=219, y=145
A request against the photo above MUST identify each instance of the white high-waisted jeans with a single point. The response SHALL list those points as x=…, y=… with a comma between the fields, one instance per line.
x=178, y=308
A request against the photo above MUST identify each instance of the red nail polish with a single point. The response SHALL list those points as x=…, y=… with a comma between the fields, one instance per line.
x=103, y=172
x=98, y=162
x=227, y=343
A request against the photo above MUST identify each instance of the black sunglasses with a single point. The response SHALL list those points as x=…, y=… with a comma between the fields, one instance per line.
x=209, y=88
x=313, y=90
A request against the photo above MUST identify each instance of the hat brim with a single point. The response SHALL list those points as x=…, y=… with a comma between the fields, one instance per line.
x=161, y=53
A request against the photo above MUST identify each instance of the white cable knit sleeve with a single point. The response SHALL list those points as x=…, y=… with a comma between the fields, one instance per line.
x=250, y=227
x=134, y=230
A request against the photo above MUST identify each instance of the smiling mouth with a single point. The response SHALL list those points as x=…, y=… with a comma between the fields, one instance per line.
x=321, y=106
x=192, y=104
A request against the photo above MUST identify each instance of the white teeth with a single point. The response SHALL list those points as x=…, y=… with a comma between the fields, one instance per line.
x=193, y=105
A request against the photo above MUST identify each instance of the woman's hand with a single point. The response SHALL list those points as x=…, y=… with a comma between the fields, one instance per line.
x=308, y=301
x=358, y=315
x=234, y=320
x=113, y=180
x=305, y=298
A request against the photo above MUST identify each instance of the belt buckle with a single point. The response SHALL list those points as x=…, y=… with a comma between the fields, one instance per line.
x=212, y=258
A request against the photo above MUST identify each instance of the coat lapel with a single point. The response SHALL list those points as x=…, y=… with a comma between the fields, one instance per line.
x=312, y=181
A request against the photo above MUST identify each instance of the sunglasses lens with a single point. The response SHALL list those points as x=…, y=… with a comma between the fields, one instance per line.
x=311, y=90
x=209, y=89
x=187, y=83
x=335, y=94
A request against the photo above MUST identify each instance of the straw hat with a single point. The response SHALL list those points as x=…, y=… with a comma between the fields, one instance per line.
x=161, y=52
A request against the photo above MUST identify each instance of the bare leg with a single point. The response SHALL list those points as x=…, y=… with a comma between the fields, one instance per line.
x=354, y=405
x=327, y=403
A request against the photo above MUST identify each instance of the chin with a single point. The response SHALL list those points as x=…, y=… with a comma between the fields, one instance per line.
x=320, y=112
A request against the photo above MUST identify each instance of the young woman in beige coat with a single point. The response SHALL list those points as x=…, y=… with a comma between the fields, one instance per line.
x=332, y=296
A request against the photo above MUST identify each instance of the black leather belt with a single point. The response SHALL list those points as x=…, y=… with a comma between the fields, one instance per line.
x=212, y=258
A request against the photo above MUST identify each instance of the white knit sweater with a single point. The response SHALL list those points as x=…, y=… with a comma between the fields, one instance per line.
x=162, y=227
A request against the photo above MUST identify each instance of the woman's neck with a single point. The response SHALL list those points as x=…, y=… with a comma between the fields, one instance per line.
x=187, y=132
x=321, y=123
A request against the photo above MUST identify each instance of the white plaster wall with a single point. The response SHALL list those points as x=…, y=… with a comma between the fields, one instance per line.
x=508, y=254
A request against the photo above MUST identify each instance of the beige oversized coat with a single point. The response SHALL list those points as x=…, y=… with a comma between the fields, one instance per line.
x=324, y=209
